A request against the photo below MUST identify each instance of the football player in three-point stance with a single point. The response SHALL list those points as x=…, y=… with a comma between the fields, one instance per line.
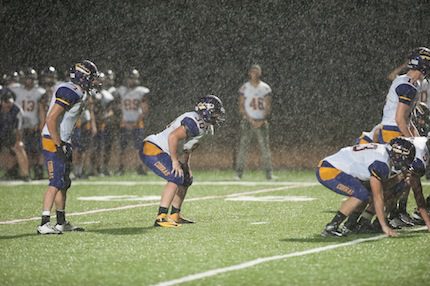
x=345, y=171
x=160, y=154
x=65, y=107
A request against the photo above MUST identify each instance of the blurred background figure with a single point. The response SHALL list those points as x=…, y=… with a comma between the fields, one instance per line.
x=29, y=96
x=11, y=117
x=135, y=108
x=48, y=80
x=102, y=105
x=255, y=106
x=11, y=80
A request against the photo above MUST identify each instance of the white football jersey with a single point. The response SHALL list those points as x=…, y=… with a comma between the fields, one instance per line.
x=254, y=99
x=196, y=129
x=360, y=160
x=73, y=99
x=401, y=90
x=28, y=100
x=422, y=154
x=425, y=88
x=131, y=102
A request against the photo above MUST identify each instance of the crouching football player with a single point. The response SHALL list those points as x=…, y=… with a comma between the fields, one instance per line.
x=345, y=171
x=160, y=154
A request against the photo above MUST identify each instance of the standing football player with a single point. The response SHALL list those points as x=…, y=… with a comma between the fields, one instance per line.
x=135, y=108
x=402, y=96
x=160, y=154
x=345, y=172
x=255, y=106
x=66, y=105
x=30, y=97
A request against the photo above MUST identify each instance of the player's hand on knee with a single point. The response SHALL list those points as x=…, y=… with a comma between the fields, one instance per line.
x=177, y=169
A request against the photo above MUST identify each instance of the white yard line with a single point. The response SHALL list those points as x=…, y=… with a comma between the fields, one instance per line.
x=251, y=263
x=15, y=221
x=155, y=183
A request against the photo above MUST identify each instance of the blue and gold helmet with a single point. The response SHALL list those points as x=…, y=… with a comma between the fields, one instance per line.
x=402, y=153
x=419, y=60
x=211, y=109
x=84, y=74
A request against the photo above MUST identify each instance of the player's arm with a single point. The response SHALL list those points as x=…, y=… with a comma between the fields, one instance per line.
x=41, y=111
x=52, y=119
x=267, y=105
x=415, y=182
x=406, y=94
x=395, y=72
x=242, y=111
x=175, y=136
x=18, y=127
x=378, y=201
x=379, y=172
x=402, y=119
x=93, y=120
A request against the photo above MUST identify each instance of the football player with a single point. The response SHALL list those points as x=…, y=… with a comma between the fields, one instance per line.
x=65, y=107
x=103, y=102
x=30, y=97
x=135, y=108
x=48, y=81
x=345, y=171
x=11, y=131
x=402, y=96
x=160, y=154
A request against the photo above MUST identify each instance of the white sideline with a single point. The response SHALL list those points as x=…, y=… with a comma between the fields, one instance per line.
x=15, y=221
x=251, y=263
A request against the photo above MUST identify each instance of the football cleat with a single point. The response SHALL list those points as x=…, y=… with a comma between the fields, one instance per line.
x=406, y=218
x=47, y=228
x=163, y=220
x=331, y=230
x=68, y=227
x=178, y=218
x=366, y=226
x=396, y=223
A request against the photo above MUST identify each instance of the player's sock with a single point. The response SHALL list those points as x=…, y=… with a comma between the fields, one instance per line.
x=162, y=210
x=338, y=218
x=351, y=222
x=61, y=216
x=174, y=210
x=46, y=217
x=402, y=204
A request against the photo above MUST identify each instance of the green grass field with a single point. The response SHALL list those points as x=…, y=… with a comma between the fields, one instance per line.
x=273, y=224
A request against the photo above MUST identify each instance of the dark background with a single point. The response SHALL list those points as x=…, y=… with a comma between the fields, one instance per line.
x=326, y=61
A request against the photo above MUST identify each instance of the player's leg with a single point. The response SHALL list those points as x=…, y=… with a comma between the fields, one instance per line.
x=402, y=208
x=56, y=169
x=21, y=157
x=107, y=138
x=124, y=137
x=138, y=136
x=344, y=184
x=161, y=164
x=175, y=212
x=263, y=140
x=245, y=138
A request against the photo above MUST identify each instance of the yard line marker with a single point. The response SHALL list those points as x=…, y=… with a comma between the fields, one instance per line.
x=126, y=207
x=251, y=263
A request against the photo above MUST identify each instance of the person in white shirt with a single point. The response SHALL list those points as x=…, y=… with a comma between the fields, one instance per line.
x=255, y=107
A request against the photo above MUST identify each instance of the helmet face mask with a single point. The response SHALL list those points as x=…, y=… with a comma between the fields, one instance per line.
x=84, y=74
x=211, y=110
x=421, y=118
x=402, y=153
